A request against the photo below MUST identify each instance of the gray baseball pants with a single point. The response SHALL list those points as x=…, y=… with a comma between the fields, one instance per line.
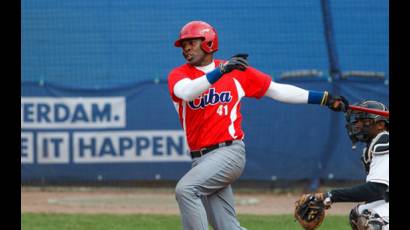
x=204, y=193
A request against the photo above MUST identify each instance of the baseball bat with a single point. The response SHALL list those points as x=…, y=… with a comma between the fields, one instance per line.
x=367, y=110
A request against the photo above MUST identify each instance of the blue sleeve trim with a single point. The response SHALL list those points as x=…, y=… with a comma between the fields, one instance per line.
x=214, y=75
x=315, y=97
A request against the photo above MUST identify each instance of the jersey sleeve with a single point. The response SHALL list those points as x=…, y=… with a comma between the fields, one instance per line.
x=255, y=83
x=173, y=77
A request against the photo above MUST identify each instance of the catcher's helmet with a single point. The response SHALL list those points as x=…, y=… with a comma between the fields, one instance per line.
x=352, y=116
x=200, y=29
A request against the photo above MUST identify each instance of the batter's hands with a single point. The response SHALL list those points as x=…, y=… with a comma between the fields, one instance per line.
x=238, y=62
x=337, y=103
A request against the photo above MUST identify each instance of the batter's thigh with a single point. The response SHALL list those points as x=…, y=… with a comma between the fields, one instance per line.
x=215, y=170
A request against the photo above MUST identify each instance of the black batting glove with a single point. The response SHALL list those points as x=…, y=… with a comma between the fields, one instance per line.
x=238, y=62
x=337, y=103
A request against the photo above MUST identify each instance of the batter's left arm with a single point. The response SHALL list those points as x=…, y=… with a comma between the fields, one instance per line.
x=292, y=94
x=287, y=93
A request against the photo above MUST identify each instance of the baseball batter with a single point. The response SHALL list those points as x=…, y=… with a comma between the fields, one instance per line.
x=374, y=131
x=206, y=93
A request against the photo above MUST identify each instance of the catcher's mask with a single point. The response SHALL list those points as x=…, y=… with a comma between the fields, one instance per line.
x=361, y=132
x=199, y=29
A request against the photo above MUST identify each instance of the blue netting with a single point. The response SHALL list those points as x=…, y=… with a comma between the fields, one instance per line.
x=107, y=43
x=362, y=34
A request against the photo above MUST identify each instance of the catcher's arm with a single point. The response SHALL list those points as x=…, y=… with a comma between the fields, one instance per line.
x=367, y=192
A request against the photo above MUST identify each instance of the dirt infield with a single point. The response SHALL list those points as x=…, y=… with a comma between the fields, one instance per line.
x=148, y=201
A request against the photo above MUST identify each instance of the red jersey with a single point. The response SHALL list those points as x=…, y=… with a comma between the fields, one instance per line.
x=214, y=116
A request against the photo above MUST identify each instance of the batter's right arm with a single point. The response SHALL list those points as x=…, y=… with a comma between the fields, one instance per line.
x=188, y=89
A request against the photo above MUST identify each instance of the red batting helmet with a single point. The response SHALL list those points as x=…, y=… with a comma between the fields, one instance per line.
x=199, y=29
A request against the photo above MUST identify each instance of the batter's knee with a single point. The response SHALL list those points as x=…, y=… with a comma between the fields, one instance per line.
x=184, y=191
x=179, y=190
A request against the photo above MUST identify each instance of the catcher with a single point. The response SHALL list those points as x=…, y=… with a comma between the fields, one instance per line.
x=373, y=214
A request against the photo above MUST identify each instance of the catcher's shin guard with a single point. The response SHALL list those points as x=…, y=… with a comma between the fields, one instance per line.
x=353, y=217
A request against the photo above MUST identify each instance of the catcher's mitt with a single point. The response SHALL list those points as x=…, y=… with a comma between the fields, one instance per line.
x=309, y=211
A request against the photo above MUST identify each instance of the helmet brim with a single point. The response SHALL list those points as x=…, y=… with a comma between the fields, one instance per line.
x=178, y=43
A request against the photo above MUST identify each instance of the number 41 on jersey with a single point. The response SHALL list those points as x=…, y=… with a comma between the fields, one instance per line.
x=222, y=110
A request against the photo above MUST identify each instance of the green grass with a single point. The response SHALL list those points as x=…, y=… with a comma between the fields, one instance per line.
x=31, y=221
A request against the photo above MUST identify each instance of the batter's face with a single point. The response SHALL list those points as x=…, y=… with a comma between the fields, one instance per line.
x=193, y=54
